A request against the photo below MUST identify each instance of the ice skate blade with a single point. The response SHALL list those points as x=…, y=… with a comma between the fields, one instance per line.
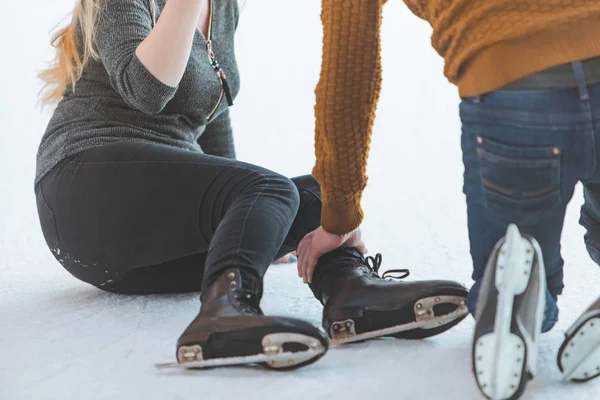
x=350, y=336
x=580, y=356
x=286, y=359
x=273, y=354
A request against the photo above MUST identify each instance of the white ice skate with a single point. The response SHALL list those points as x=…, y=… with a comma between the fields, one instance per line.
x=579, y=355
x=509, y=317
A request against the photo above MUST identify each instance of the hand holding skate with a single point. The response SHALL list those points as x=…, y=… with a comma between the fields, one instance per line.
x=320, y=242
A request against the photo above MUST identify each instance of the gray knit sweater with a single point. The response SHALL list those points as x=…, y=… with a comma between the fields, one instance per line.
x=117, y=99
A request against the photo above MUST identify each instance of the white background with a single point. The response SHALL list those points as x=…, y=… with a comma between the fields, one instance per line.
x=61, y=339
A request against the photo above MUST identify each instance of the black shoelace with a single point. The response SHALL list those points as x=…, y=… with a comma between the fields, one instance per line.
x=374, y=263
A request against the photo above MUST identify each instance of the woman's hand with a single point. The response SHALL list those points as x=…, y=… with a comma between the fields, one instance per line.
x=320, y=242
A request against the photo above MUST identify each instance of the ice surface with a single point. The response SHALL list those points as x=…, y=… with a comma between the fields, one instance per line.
x=61, y=339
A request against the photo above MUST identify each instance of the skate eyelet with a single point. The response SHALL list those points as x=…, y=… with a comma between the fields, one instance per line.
x=231, y=275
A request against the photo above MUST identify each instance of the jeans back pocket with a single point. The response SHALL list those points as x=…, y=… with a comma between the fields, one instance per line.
x=519, y=181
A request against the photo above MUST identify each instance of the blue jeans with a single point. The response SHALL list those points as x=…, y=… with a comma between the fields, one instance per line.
x=524, y=151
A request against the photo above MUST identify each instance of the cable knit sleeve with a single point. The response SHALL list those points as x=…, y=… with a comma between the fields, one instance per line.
x=418, y=7
x=346, y=99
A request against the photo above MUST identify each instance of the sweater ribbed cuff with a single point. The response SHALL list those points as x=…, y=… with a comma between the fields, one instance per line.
x=342, y=218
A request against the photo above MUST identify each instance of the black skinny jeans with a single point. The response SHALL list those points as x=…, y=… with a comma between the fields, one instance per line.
x=138, y=218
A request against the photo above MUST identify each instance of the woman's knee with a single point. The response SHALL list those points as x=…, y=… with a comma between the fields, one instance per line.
x=289, y=191
x=278, y=188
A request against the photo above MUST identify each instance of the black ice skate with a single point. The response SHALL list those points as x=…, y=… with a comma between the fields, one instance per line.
x=509, y=317
x=579, y=355
x=360, y=305
x=232, y=330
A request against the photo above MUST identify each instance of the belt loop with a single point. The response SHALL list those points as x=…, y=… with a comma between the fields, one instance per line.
x=477, y=99
x=584, y=94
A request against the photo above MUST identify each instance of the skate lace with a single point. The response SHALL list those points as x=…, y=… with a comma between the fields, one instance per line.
x=246, y=295
x=374, y=264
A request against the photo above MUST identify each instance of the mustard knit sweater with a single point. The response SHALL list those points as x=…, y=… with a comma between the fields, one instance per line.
x=486, y=44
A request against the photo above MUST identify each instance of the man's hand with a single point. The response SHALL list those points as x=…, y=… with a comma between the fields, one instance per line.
x=320, y=242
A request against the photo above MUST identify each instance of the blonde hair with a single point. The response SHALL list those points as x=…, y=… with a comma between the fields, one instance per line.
x=71, y=56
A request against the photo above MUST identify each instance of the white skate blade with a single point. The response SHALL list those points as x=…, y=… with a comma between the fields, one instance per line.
x=191, y=357
x=435, y=322
x=500, y=356
x=580, y=357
